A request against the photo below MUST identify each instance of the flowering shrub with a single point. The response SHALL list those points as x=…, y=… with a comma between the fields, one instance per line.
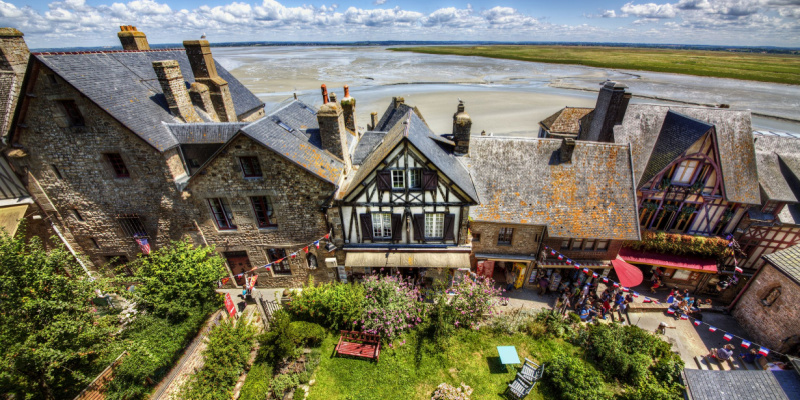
x=448, y=392
x=335, y=305
x=473, y=300
x=391, y=305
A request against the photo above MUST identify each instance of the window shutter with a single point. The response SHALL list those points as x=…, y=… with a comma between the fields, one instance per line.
x=430, y=180
x=397, y=226
x=384, y=179
x=366, y=226
x=449, y=232
x=419, y=226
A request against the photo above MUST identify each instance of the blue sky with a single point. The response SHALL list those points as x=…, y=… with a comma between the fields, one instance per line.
x=70, y=23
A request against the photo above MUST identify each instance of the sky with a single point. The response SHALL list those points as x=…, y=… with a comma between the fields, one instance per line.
x=79, y=23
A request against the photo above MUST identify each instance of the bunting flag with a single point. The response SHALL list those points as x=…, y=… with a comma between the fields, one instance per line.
x=616, y=284
x=546, y=248
x=737, y=269
x=569, y=261
x=684, y=317
x=293, y=255
x=225, y=280
x=239, y=275
x=727, y=337
x=552, y=252
x=143, y=245
x=327, y=236
x=670, y=311
x=625, y=289
x=594, y=275
x=656, y=301
x=712, y=329
x=305, y=249
x=635, y=294
x=763, y=351
x=746, y=344
x=577, y=266
x=316, y=244
x=586, y=271
x=697, y=322
x=605, y=280
x=647, y=300
x=560, y=257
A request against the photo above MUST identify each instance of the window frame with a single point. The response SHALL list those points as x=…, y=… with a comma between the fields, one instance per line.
x=577, y=244
x=415, y=174
x=279, y=268
x=604, y=242
x=267, y=214
x=382, y=224
x=72, y=112
x=224, y=212
x=765, y=301
x=476, y=237
x=399, y=176
x=435, y=215
x=565, y=244
x=502, y=234
x=252, y=163
x=118, y=166
x=690, y=167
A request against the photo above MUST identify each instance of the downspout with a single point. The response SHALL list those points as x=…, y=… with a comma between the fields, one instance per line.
x=71, y=250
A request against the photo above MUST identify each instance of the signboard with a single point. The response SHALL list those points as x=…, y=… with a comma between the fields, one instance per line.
x=229, y=305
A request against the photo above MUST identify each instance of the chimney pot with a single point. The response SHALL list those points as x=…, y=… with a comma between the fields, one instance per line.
x=324, y=94
x=333, y=97
x=349, y=110
x=567, y=148
x=373, y=118
x=132, y=39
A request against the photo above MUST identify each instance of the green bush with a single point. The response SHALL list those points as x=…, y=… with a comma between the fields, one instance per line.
x=391, y=305
x=256, y=386
x=228, y=350
x=282, y=383
x=308, y=334
x=550, y=324
x=333, y=305
x=652, y=390
x=570, y=378
x=512, y=322
x=278, y=344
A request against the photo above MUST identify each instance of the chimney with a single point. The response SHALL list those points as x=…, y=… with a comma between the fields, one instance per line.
x=201, y=98
x=612, y=101
x=205, y=72
x=333, y=97
x=14, y=56
x=174, y=88
x=397, y=101
x=324, y=94
x=461, y=127
x=132, y=39
x=567, y=147
x=349, y=109
x=332, y=132
x=373, y=118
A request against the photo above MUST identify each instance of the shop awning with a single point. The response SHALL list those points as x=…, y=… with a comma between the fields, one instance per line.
x=669, y=261
x=583, y=264
x=407, y=259
x=627, y=274
x=10, y=217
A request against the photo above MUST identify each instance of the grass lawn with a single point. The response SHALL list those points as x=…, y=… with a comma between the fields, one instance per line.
x=411, y=371
x=747, y=66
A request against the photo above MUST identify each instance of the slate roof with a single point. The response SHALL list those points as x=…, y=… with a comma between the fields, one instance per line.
x=520, y=180
x=369, y=141
x=417, y=132
x=742, y=385
x=778, y=166
x=195, y=133
x=392, y=116
x=12, y=191
x=124, y=84
x=642, y=128
x=566, y=120
x=302, y=144
x=787, y=260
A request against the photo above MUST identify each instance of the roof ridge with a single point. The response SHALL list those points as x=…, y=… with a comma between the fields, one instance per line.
x=61, y=53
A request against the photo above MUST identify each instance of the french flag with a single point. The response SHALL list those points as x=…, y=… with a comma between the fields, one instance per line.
x=647, y=300
x=697, y=322
x=594, y=275
x=656, y=301
x=569, y=261
x=616, y=284
x=560, y=257
x=546, y=248
x=294, y=255
x=727, y=337
x=552, y=252
x=712, y=329
x=624, y=289
x=577, y=266
x=605, y=280
x=670, y=311
x=737, y=269
x=746, y=344
x=316, y=244
x=586, y=271
x=764, y=352
x=684, y=316
x=635, y=294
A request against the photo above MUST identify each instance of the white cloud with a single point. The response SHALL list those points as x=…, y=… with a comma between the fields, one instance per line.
x=649, y=10
x=379, y=2
x=609, y=14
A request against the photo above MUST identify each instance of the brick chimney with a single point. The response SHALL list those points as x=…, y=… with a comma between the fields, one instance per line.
x=205, y=72
x=14, y=56
x=201, y=98
x=567, y=147
x=373, y=119
x=462, y=124
x=612, y=101
x=132, y=39
x=349, y=109
x=332, y=131
x=174, y=88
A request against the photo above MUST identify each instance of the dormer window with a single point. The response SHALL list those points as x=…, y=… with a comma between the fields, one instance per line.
x=685, y=172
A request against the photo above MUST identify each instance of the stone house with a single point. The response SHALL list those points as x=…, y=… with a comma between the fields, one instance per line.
x=767, y=307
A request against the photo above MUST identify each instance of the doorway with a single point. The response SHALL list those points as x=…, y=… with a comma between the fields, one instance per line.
x=238, y=262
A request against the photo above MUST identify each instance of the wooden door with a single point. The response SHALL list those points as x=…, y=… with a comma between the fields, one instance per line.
x=238, y=262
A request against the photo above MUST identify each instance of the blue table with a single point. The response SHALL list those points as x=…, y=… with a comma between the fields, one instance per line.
x=508, y=355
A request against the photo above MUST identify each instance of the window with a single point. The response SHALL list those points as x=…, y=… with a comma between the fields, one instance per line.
x=282, y=267
x=118, y=165
x=771, y=296
x=398, y=180
x=681, y=274
x=770, y=207
x=56, y=172
x=73, y=113
x=589, y=245
x=77, y=215
x=602, y=245
x=434, y=225
x=263, y=210
x=250, y=167
x=415, y=178
x=221, y=213
x=382, y=225
x=504, y=238
x=577, y=244
x=476, y=237
x=685, y=171
x=132, y=226
x=94, y=242
x=565, y=244
x=284, y=126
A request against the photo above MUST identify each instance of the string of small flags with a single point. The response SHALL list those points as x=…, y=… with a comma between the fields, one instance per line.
x=292, y=256
x=587, y=271
x=728, y=336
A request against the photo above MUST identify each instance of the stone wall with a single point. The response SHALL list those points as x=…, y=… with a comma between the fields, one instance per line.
x=296, y=195
x=524, y=241
x=769, y=325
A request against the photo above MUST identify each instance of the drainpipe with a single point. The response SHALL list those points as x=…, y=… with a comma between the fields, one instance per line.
x=71, y=250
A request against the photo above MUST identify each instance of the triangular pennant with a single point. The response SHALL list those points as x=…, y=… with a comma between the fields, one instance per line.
x=305, y=249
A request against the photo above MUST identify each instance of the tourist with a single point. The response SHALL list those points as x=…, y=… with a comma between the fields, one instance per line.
x=606, y=308
x=656, y=285
x=751, y=357
x=543, y=285
x=584, y=314
x=722, y=354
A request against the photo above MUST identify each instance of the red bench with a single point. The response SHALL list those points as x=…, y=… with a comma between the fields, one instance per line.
x=359, y=344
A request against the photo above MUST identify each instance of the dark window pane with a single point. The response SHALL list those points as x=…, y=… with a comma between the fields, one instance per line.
x=221, y=213
x=263, y=211
x=73, y=113
x=250, y=167
x=281, y=267
x=120, y=170
x=505, y=236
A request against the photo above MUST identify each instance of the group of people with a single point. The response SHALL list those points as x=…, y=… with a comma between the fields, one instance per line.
x=684, y=304
x=589, y=305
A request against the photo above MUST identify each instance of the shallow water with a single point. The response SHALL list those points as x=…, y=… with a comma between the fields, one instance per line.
x=505, y=97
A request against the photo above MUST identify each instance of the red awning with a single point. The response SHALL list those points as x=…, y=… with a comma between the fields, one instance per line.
x=627, y=274
x=669, y=261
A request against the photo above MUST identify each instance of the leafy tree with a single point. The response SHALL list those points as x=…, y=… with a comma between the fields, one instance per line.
x=278, y=344
x=49, y=331
x=176, y=280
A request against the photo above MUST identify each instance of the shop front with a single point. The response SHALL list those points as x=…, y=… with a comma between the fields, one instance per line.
x=505, y=269
x=684, y=272
x=421, y=267
x=560, y=274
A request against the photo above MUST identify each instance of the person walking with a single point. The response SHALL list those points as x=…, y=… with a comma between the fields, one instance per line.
x=543, y=285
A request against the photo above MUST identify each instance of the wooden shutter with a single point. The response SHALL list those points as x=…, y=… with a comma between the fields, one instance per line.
x=366, y=226
x=397, y=226
x=384, y=180
x=430, y=180
x=449, y=232
x=419, y=226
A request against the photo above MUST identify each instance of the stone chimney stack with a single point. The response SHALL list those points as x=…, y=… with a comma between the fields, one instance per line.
x=462, y=124
x=332, y=131
x=373, y=119
x=567, y=147
x=349, y=109
x=397, y=101
x=205, y=72
x=174, y=88
x=14, y=56
x=612, y=101
x=132, y=39
x=201, y=98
